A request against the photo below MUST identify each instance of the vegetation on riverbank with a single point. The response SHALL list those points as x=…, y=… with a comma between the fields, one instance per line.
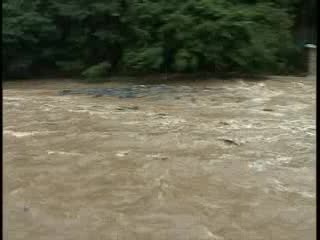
x=98, y=38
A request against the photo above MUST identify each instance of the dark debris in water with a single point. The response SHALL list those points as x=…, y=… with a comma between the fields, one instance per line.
x=135, y=91
x=231, y=142
x=127, y=108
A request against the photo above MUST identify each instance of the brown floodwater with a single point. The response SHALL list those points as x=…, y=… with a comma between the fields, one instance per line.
x=226, y=160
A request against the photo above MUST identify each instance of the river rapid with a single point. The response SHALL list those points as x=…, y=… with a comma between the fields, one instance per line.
x=219, y=159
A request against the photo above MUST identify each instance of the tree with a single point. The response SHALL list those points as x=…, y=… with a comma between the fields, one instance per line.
x=148, y=36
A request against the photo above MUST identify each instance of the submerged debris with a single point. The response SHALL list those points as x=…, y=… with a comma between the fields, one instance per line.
x=134, y=91
x=64, y=92
x=230, y=142
x=127, y=108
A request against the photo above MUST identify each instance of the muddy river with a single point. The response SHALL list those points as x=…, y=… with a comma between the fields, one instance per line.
x=219, y=159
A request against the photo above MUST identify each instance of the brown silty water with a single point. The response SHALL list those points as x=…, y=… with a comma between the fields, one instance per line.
x=226, y=160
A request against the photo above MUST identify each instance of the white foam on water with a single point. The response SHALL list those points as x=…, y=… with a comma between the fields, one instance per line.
x=64, y=153
x=262, y=165
x=122, y=153
x=279, y=186
x=259, y=166
x=78, y=111
x=131, y=123
x=24, y=134
x=15, y=104
x=13, y=99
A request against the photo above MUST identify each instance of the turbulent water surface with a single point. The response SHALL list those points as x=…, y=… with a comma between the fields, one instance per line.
x=223, y=160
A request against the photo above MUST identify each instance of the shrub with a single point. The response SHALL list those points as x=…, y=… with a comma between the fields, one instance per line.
x=71, y=66
x=143, y=60
x=96, y=72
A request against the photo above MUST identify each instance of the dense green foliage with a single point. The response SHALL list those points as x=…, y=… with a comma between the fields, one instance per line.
x=141, y=36
x=97, y=71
